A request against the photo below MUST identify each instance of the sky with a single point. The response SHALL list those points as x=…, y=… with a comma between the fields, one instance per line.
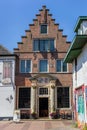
x=16, y=15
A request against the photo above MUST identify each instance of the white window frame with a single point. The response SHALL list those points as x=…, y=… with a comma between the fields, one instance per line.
x=41, y=95
x=47, y=66
x=30, y=68
x=38, y=39
x=61, y=66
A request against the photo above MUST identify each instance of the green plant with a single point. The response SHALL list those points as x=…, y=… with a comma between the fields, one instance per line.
x=84, y=127
x=34, y=115
x=53, y=114
x=76, y=125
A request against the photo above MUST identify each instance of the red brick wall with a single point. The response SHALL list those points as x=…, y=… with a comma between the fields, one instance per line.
x=25, y=51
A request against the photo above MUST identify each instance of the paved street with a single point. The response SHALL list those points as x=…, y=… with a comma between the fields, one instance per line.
x=37, y=125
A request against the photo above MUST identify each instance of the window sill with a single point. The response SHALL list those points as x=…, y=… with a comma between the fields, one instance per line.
x=43, y=72
x=64, y=108
x=24, y=108
x=62, y=72
x=25, y=72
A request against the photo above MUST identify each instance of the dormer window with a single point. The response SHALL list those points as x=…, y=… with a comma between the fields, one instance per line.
x=83, y=28
x=43, y=29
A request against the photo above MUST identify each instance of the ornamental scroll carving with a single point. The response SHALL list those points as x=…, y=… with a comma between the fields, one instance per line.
x=34, y=83
x=53, y=83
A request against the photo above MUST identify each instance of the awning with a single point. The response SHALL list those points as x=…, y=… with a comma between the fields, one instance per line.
x=75, y=48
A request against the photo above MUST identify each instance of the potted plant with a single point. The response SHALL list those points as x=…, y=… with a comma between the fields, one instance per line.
x=33, y=115
x=53, y=115
x=85, y=127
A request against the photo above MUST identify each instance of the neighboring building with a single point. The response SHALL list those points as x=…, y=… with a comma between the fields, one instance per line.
x=43, y=81
x=77, y=55
x=7, y=87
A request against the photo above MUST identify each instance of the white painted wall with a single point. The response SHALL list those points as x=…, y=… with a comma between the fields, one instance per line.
x=6, y=102
x=7, y=91
x=81, y=69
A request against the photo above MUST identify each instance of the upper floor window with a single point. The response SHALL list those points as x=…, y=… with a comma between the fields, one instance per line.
x=43, y=66
x=43, y=29
x=25, y=66
x=6, y=74
x=43, y=45
x=83, y=28
x=7, y=69
x=61, y=66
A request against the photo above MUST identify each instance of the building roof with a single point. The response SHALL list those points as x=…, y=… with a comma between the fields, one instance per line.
x=4, y=51
x=75, y=48
x=79, y=21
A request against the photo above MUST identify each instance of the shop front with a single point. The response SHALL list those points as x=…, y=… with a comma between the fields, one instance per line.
x=81, y=105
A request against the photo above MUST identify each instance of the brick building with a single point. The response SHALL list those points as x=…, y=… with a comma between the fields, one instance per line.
x=43, y=81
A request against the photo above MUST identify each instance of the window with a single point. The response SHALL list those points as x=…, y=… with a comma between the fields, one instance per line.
x=63, y=97
x=25, y=66
x=43, y=91
x=43, y=66
x=7, y=69
x=43, y=29
x=61, y=66
x=43, y=45
x=24, y=97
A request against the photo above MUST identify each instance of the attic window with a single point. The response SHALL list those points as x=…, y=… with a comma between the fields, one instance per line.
x=43, y=29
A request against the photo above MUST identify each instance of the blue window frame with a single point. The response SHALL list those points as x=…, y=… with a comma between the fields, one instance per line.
x=36, y=45
x=61, y=66
x=43, y=45
x=43, y=66
x=25, y=66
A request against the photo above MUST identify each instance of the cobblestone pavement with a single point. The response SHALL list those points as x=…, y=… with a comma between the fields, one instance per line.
x=38, y=125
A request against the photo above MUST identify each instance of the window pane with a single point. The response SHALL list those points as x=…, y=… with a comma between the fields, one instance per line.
x=43, y=91
x=43, y=28
x=43, y=65
x=63, y=97
x=42, y=46
x=36, y=45
x=22, y=66
x=24, y=97
x=46, y=45
x=64, y=67
x=52, y=45
x=28, y=66
x=58, y=66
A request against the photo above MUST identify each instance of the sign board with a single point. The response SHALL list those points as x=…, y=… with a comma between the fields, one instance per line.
x=16, y=117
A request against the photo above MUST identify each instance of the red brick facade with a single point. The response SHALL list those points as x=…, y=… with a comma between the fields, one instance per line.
x=25, y=51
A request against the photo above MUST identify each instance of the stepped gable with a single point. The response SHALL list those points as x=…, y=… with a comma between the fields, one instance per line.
x=4, y=51
x=44, y=17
